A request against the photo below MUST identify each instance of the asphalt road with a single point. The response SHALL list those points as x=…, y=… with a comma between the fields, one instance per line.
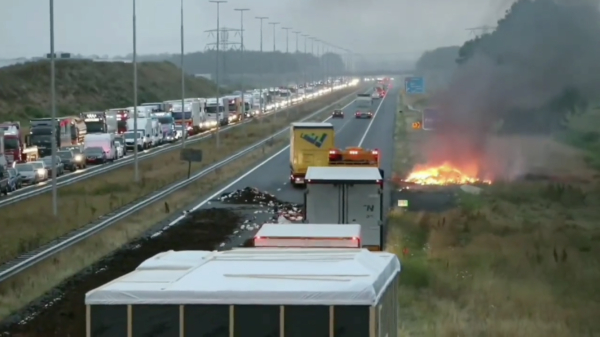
x=273, y=176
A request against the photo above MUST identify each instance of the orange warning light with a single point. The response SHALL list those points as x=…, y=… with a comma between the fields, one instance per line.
x=416, y=125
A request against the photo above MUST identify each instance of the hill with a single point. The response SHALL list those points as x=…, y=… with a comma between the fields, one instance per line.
x=87, y=86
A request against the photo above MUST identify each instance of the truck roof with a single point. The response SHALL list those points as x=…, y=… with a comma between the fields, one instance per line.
x=266, y=276
x=312, y=125
x=326, y=174
x=309, y=231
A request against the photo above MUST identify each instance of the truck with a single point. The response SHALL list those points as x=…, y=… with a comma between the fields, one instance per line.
x=17, y=146
x=363, y=101
x=354, y=156
x=156, y=134
x=234, y=108
x=144, y=125
x=310, y=144
x=347, y=195
x=122, y=115
x=193, y=116
x=42, y=135
x=158, y=106
x=216, y=111
x=167, y=125
x=100, y=121
x=308, y=236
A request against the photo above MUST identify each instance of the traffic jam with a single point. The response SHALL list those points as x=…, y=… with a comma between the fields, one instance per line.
x=102, y=137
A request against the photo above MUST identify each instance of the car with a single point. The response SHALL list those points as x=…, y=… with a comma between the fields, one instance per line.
x=95, y=155
x=337, y=113
x=121, y=139
x=364, y=114
x=14, y=180
x=41, y=170
x=4, y=181
x=79, y=157
x=30, y=174
x=68, y=160
x=60, y=167
x=120, y=148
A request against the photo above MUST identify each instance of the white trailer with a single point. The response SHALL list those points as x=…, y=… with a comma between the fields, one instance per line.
x=251, y=292
x=308, y=236
x=363, y=101
x=347, y=195
x=143, y=124
x=156, y=135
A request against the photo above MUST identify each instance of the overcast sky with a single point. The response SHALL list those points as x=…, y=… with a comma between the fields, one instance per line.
x=401, y=27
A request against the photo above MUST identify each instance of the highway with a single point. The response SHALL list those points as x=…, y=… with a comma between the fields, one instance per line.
x=91, y=171
x=272, y=175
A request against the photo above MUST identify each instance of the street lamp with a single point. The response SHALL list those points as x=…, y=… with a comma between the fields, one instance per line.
x=184, y=125
x=218, y=2
x=287, y=39
x=274, y=24
x=53, y=107
x=242, y=10
x=261, y=18
x=305, y=57
x=297, y=33
x=136, y=169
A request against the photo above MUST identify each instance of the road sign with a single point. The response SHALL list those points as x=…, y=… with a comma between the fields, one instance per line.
x=402, y=203
x=414, y=85
x=190, y=155
x=431, y=118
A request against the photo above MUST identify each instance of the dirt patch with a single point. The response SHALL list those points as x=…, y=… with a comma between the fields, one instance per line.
x=63, y=312
x=84, y=202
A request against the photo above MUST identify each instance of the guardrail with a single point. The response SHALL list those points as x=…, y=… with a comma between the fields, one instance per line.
x=94, y=171
x=30, y=259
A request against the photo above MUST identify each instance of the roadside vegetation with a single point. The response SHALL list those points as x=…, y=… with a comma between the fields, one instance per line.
x=520, y=257
x=89, y=86
x=107, y=195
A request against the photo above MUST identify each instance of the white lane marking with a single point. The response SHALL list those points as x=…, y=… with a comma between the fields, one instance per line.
x=362, y=140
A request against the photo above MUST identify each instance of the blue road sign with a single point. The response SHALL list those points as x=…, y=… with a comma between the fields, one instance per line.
x=415, y=85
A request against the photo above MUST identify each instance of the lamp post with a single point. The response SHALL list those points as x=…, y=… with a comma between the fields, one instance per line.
x=53, y=107
x=218, y=80
x=136, y=169
x=261, y=106
x=306, y=36
x=184, y=126
x=242, y=10
x=274, y=24
x=287, y=39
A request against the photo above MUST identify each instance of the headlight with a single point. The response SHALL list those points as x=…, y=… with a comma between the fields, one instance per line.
x=78, y=157
x=41, y=171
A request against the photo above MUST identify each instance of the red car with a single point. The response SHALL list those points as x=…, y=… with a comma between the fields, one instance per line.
x=364, y=114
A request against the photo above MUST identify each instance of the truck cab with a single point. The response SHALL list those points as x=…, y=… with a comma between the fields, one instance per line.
x=347, y=195
x=308, y=236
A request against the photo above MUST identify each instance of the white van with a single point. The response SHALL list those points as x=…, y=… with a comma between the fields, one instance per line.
x=144, y=125
x=104, y=140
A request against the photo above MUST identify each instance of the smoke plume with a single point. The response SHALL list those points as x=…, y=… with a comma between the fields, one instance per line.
x=541, y=61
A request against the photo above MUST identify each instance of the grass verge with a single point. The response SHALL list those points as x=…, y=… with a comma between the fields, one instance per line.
x=520, y=259
x=81, y=203
x=26, y=287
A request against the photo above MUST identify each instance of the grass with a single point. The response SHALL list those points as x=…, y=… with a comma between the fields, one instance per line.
x=88, y=86
x=82, y=203
x=26, y=287
x=521, y=259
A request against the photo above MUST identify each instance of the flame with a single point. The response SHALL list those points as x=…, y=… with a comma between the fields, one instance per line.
x=444, y=174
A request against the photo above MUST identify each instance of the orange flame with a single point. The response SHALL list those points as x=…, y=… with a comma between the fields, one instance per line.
x=445, y=174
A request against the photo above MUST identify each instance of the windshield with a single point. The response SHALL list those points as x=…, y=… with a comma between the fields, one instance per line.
x=37, y=165
x=178, y=127
x=12, y=172
x=165, y=120
x=11, y=144
x=122, y=124
x=41, y=131
x=93, y=150
x=213, y=109
x=182, y=115
x=41, y=139
x=47, y=160
x=65, y=154
x=131, y=135
x=24, y=167
x=95, y=127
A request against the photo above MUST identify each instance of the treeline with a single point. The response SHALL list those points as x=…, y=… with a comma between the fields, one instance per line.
x=536, y=68
x=253, y=62
x=442, y=58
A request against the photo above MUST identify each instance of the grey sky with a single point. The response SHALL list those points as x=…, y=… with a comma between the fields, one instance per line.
x=403, y=27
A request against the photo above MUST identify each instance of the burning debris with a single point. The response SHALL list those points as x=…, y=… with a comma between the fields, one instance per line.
x=444, y=174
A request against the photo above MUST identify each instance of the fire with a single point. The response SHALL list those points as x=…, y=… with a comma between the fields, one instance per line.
x=445, y=174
